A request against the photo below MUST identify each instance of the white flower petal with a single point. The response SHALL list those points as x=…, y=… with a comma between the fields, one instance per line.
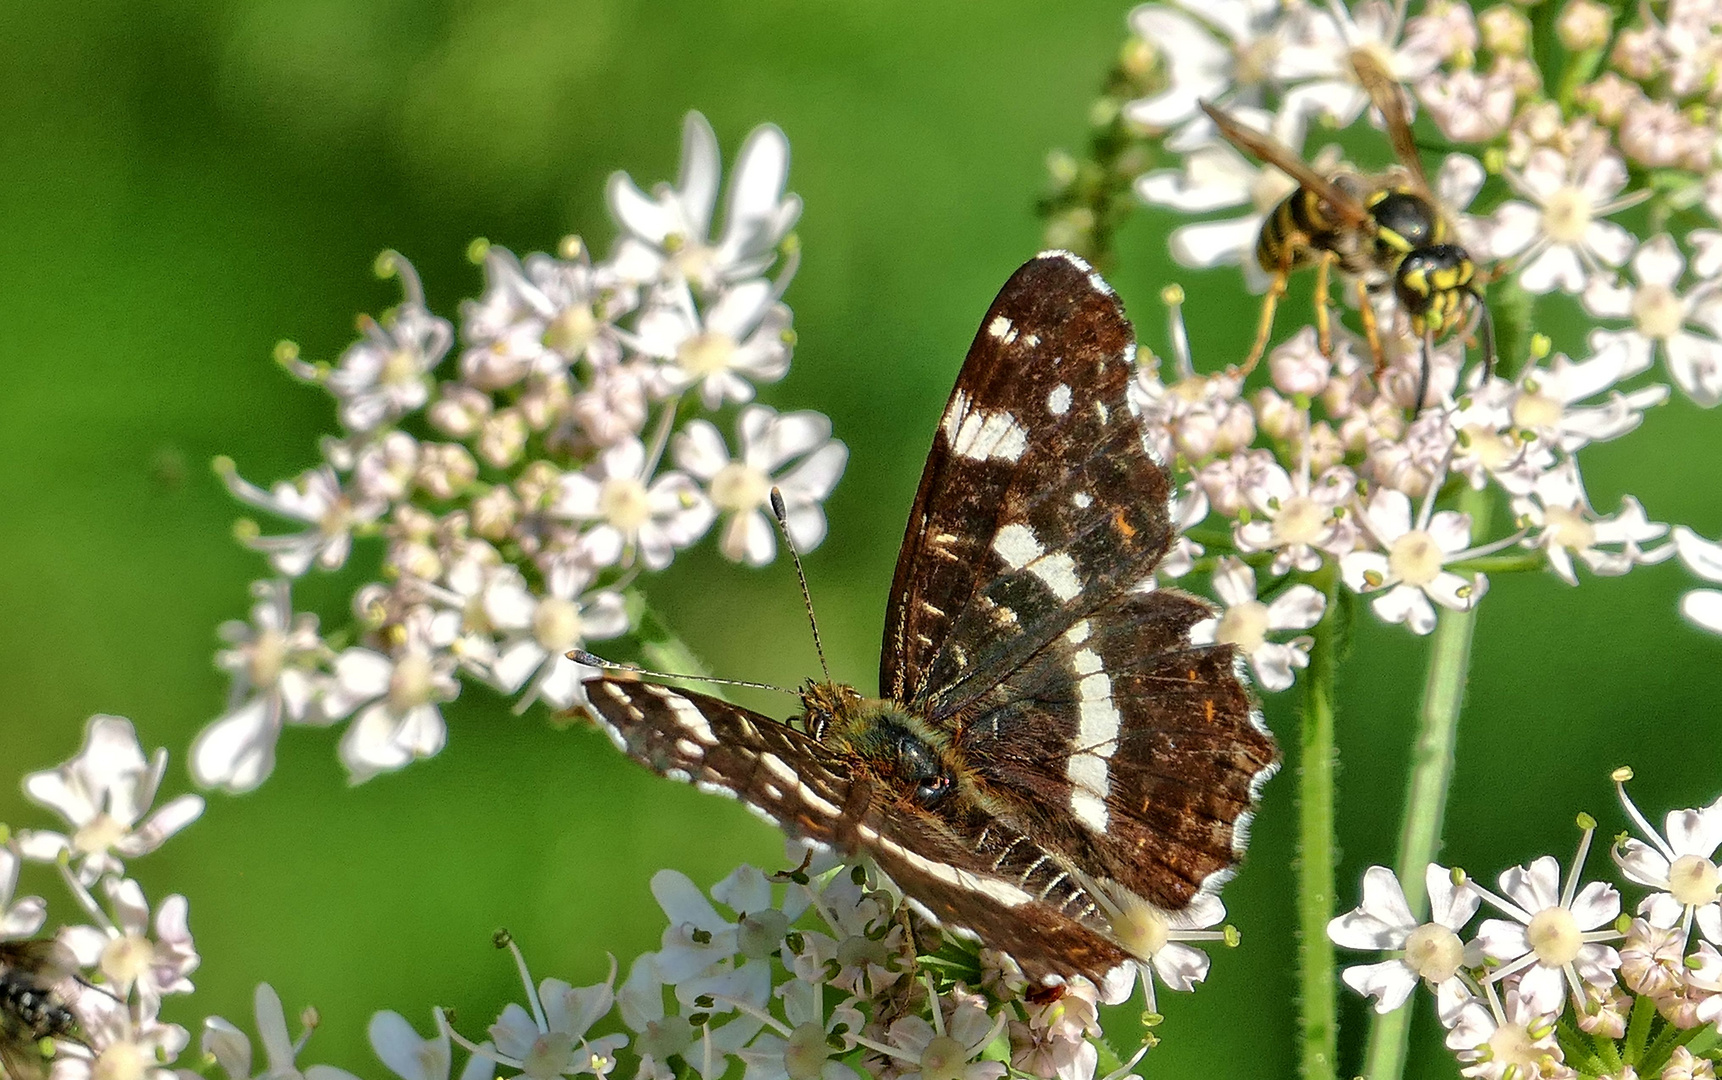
x=1389, y=982
x=1298, y=608
x=1703, y=607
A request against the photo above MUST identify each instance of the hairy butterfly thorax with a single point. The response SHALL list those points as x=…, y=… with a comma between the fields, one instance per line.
x=1052, y=765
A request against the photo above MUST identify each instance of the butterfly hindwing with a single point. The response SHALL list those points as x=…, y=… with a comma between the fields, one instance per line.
x=1040, y=497
x=1137, y=753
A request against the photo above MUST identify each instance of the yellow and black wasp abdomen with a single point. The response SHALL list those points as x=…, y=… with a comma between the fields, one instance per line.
x=1300, y=227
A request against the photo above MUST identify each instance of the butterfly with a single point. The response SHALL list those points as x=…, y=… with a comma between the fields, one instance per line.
x=1051, y=766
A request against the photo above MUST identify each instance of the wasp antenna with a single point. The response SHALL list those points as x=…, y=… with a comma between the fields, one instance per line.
x=781, y=513
x=1423, y=372
x=581, y=656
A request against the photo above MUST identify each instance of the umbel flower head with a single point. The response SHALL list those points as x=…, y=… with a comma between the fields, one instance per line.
x=1579, y=180
x=1548, y=990
x=519, y=470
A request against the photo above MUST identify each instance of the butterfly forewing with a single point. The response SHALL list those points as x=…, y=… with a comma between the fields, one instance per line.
x=723, y=749
x=1087, y=763
x=1040, y=497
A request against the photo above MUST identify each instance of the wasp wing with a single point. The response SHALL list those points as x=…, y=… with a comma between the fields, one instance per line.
x=1388, y=97
x=1270, y=151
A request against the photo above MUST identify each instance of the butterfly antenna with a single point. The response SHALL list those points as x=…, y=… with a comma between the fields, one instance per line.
x=781, y=514
x=581, y=656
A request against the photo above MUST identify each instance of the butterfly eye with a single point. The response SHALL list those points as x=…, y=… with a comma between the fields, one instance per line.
x=931, y=790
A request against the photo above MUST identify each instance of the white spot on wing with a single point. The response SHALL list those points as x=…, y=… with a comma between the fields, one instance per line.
x=1089, y=809
x=984, y=435
x=690, y=748
x=687, y=714
x=1000, y=892
x=1082, y=500
x=1058, y=573
x=1058, y=402
x=1078, y=632
x=1017, y=546
x=999, y=327
x=954, y=413
x=1096, y=741
x=783, y=771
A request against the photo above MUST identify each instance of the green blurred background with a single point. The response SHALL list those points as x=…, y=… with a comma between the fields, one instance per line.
x=182, y=184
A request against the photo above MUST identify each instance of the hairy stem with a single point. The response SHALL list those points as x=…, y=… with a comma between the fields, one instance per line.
x=1317, y=1021
x=1426, y=796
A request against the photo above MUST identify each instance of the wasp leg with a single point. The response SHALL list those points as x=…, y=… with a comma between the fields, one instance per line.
x=1323, y=321
x=1371, y=332
x=1270, y=302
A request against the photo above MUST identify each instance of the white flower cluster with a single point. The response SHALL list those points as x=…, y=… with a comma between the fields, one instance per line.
x=116, y=963
x=1333, y=467
x=811, y=973
x=1564, y=984
x=518, y=486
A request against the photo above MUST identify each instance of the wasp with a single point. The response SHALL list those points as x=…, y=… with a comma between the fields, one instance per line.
x=1384, y=231
x=38, y=980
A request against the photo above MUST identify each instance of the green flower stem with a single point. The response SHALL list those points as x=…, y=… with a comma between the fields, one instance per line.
x=1426, y=798
x=1317, y=1020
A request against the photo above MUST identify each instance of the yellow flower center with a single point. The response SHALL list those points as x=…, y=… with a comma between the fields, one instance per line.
x=1300, y=521
x=1569, y=528
x=706, y=353
x=1658, y=312
x=126, y=958
x=1245, y=626
x=1567, y=213
x=399, y=367
x=1415, y=558
x=1487, y=447
x=1554, y=936
x=1512, y=1046
x=1141, y=929
x=570, y=332
x=738, y=486
x=97, y=835
x=1253, y=63
x=622, y=500
x=267, y=657
x=944, y=1059
x=411, y=683
x=556, y=625
x=1434, y=952
x=805, y=1052
x=124, y=1060
x=1534, y=410
x=337, y=518
x=1693, y=880
x=551, y=1054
